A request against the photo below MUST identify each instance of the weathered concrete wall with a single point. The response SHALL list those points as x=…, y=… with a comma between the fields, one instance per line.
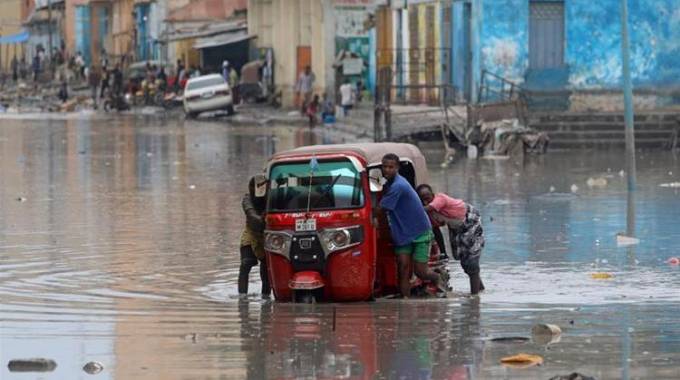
x=283, y=25
x=504, y=39
x=594, y=43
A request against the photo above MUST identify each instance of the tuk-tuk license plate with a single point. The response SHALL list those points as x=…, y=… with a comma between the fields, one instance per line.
x=305, y=225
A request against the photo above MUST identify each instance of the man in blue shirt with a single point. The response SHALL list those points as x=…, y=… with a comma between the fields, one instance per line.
x=410, y=226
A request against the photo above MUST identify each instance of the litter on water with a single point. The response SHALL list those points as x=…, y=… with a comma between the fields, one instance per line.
x=601, y=276
x=624, y=241
x=522, y=360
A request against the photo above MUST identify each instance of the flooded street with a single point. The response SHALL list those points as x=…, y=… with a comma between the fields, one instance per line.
x=119, y=244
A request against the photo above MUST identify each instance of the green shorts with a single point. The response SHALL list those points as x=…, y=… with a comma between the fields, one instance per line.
x=419, y=247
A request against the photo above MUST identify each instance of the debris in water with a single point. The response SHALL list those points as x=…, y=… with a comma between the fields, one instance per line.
x=510, y=339
x=32, y=365
x=93, y=368
x=596, y=182
x=672, y=184
x=573, y=376
x=624, y=241
x=472, y=151
x=674, y=261
x=522, y=360
x=546, y=334
x=601, y=276
x=574, y=188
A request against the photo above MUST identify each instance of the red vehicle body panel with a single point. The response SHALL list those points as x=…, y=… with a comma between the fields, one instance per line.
x=350, y=274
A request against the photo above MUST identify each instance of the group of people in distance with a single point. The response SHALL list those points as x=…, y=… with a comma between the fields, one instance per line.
x=414, y=216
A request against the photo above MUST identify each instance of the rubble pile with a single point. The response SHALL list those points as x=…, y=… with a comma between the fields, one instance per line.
x=507, y=137
x=27, y=97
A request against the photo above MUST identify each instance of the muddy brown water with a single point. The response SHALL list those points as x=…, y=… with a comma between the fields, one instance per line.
x=119, y=241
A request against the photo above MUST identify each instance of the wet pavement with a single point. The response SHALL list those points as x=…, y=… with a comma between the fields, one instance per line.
x=119, y=244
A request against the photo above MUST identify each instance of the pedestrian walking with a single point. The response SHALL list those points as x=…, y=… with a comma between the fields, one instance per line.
x=94, y=78
x=106, y=79
x=15, y=69
x=117, y=75
x=465, y=230
x=80, y=66
x=312, y=110
x=63, y=91
x=23, y=68
x=409, y=226
x=252, y=238
x=347, y=97
x=36, y=68
x=304, y=87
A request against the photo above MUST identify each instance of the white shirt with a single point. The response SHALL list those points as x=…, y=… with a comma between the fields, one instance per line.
x=347, y=94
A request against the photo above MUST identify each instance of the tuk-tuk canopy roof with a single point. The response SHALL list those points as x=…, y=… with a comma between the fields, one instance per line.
x=371, y=152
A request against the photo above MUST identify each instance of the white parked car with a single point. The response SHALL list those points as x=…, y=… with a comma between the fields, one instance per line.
x=207, y=93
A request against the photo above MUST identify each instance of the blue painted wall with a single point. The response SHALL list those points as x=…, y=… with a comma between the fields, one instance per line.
x=143, y=41
x=83, y=31
x=592, y=51
x=594, y=45
x=458, y=46
x=504, y=37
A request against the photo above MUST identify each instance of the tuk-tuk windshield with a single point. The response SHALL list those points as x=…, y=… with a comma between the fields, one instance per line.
x=332, y=185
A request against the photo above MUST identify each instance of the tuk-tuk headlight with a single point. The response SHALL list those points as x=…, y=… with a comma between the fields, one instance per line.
x=335, y=239
x=277, y=242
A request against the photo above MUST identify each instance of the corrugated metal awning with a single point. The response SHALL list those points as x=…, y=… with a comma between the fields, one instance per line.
x=222, y=39
x=15, y=38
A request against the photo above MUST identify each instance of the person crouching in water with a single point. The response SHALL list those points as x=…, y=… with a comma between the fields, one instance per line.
x=465, y=230
x=410, y=228
x=252, y=241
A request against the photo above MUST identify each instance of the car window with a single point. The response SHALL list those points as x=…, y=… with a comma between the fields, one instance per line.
x=207, y=82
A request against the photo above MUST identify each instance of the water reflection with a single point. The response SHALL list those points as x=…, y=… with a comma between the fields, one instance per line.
x=119, y=243
x=392, y=340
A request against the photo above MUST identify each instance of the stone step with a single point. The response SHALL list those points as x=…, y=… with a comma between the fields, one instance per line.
x=592, y=135
x=534, y=118
x=603, y=126
x=606, y=144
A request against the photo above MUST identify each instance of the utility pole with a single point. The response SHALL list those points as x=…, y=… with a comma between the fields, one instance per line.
x=629, y=119
x=49, y=31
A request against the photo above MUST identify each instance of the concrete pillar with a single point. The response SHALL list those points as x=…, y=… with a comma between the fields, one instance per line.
x=329, y=49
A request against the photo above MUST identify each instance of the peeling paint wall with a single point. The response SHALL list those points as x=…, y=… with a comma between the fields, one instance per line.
x=504, y=38
x=593, y=42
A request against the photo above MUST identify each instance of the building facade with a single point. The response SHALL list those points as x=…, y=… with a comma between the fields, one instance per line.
x=300, y=33
x=10, y=25
x=572, y=46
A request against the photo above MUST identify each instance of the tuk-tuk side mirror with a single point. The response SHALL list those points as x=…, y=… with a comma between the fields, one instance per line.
x=376, y=180
x=260, y=186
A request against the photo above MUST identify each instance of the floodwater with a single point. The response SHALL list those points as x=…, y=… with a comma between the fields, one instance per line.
x=119, y=244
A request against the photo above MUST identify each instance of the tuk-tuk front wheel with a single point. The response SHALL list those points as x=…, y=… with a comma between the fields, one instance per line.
x=304, y=296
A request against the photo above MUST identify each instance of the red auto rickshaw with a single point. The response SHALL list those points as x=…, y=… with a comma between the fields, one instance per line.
x=323, y=241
